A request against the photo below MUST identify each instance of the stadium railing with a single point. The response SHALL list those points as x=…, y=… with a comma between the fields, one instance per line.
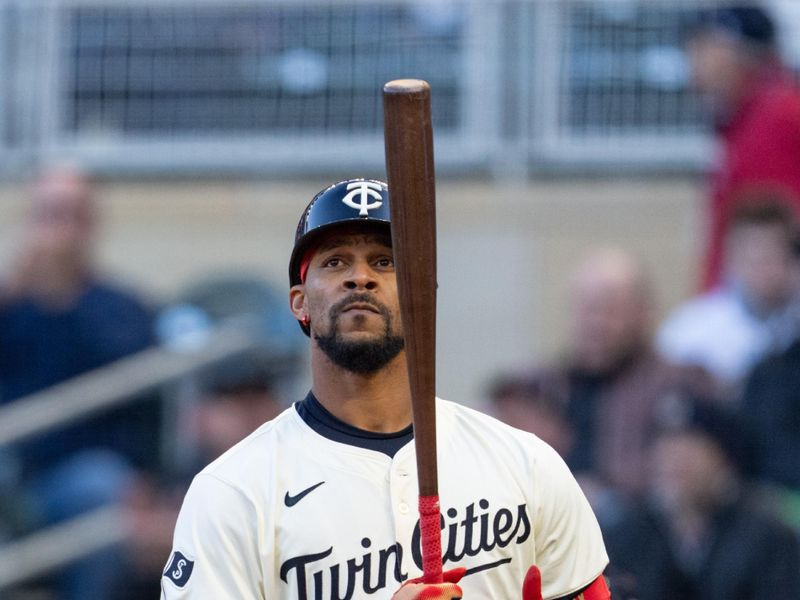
x=125, y=381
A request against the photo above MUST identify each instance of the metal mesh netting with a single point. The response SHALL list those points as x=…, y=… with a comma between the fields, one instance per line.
x=624, y=69
x=293, y=85
x=259, y=68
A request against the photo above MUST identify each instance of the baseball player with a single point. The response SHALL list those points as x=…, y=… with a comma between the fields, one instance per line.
x=320, y=503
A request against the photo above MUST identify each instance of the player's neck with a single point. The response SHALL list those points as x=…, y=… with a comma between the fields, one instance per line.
x=379, y=402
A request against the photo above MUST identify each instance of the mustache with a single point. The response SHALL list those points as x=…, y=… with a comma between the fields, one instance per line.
x=360, y=298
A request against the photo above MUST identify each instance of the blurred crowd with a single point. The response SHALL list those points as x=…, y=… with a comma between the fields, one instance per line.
x=61, y=317
x=692, y=472
x=684, y=432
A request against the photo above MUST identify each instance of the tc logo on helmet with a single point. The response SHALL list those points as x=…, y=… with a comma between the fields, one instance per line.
x=364, y=190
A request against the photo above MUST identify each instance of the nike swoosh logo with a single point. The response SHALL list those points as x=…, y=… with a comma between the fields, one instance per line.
x=290, y=500
x=487, y=566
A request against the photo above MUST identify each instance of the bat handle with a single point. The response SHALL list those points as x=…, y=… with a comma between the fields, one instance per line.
x=430, y=539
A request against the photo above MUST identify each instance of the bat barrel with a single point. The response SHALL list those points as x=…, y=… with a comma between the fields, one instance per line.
x=410, y=173
x=409, y=165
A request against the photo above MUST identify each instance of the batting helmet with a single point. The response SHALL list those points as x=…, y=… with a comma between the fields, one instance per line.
x=346, y=202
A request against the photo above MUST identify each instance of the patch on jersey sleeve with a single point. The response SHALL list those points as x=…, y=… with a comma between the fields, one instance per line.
x=179, y=569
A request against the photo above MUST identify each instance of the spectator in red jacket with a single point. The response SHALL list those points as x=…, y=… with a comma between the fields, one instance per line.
x=756, y=110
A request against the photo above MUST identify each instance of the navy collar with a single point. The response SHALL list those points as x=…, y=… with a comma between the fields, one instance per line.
x=324, y=423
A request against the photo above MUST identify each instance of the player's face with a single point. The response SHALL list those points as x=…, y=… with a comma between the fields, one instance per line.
x=350, y=297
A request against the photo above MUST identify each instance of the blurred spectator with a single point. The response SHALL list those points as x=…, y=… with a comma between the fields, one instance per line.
x=720, y=545
x=756, y=111
x=614, y=380
x=754, y=311
x=772, y=406
x=59, y=319
x=236, y=400
x=538, y=404
x=534, y=405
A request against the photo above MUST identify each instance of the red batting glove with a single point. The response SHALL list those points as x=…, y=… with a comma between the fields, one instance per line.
x=414, y=589
x=532, y=586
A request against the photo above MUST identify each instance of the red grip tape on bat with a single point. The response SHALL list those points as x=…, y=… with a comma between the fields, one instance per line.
x=430, y=533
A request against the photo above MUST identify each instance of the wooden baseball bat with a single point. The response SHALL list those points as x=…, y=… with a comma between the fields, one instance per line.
x=409, y=167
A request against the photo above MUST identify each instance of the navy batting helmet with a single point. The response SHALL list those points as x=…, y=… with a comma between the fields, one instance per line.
x=346, y=202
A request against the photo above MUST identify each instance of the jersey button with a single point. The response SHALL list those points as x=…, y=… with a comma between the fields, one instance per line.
x=403, y=508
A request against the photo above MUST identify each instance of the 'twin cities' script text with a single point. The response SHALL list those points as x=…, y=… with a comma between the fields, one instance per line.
x=479, y=532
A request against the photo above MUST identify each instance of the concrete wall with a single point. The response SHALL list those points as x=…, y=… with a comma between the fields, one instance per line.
x=505, y=251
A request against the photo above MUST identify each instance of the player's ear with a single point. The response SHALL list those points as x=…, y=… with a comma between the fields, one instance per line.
x=297, y=301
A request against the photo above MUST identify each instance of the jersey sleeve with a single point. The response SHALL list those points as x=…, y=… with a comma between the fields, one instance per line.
x=215, y=548
x=570, y=552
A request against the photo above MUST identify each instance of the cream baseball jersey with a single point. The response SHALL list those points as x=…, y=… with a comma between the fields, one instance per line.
x=291, y=514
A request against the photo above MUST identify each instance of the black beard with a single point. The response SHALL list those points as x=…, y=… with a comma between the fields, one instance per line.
x=365, y=357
